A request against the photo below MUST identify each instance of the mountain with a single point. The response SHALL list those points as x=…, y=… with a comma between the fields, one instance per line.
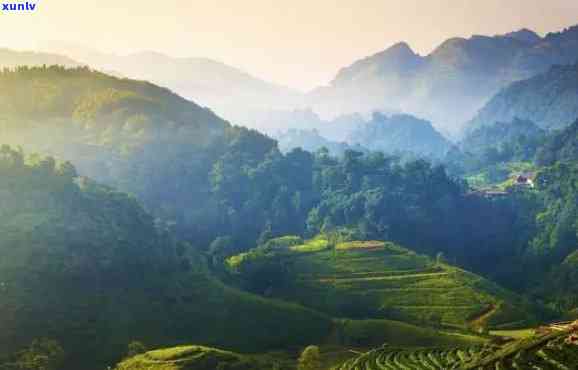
x=549, y=99
x=400, y=133
x=450, y=84
x=524, y=35
x=12, y=58
x=229, y=91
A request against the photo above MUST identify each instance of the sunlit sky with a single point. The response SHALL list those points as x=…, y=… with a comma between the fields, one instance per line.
x=299, y=43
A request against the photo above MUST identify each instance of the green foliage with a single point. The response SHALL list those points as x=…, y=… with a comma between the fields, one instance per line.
x=80, y=259
x=373, y=279
x=553, y=350
x=135, y=348
x=86, y=265
x=558, y=222
x=195, y=358
x=43, y=354
x=310, y=359
x=489, y=147
x=367, y=333
x=561, y=146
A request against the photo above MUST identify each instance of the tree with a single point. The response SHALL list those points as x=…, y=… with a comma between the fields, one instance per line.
x=135, y=348
x=43, y=354
x=310, y=359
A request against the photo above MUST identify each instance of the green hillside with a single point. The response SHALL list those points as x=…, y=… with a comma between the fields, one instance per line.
x=377, y=280
x=347, y=334
x=137, y=137
x=85, y=265
x=554, y=350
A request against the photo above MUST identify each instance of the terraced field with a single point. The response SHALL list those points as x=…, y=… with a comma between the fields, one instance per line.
x=554, y=351
x=382, y=280
x=390, y=358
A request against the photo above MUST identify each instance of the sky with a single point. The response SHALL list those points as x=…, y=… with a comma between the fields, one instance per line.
x=298, y=43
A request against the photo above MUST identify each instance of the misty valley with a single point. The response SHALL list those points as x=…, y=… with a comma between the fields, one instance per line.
x=417, y=213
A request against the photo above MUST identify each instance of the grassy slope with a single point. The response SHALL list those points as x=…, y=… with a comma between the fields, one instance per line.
x=198, y=358
x=383, y=280
x=222, y=316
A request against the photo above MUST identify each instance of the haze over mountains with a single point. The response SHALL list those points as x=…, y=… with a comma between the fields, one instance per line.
x=446, y=87
x=11, y=58
x=133, y=217
x=232, y=93
x=550, y=100
x=450, y=84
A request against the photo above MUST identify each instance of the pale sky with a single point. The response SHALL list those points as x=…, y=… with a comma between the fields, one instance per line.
x=299, y=43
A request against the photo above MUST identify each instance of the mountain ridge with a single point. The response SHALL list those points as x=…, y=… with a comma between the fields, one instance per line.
x=549, y=99
x=433, y=86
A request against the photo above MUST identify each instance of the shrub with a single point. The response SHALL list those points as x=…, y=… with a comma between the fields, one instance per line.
x=310, y=359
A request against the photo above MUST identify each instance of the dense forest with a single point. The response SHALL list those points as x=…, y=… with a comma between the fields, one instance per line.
x=146, y=218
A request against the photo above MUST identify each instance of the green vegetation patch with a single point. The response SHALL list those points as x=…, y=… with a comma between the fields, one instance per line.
x=313, y=245
x=375, y=280
x=193, y=358
x=555, y=350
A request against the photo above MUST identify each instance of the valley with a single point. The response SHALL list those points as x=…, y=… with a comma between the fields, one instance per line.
x=178, y=213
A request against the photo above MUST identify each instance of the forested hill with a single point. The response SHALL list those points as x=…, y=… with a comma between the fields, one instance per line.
x=133, y=135
x=499, y=134
x=206, y=179
x=550, y=100
x=224, y=188
x=96, y=101
x=11, y=58
x=230, y=91
x=85, y=265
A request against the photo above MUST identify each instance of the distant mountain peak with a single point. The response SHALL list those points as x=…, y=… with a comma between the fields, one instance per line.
x=398, y=59
x=148, y=54
x=525, y=35
x=400, y=48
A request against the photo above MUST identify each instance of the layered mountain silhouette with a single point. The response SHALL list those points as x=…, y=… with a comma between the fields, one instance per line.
x=449, y=85
x=229, y=91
